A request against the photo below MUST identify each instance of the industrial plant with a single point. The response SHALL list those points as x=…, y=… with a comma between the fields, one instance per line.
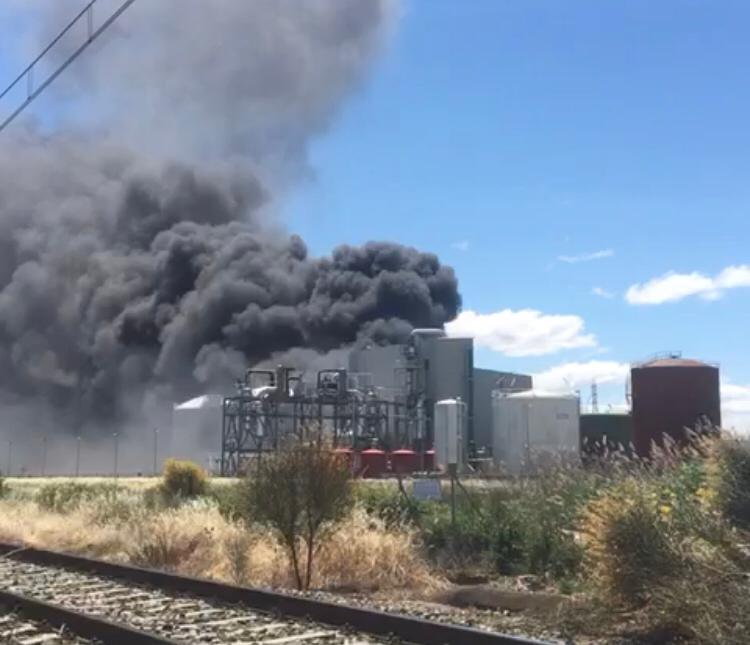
x=423, y=405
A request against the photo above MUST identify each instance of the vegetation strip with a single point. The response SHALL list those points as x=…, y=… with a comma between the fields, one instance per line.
x=409, y=629
x=90, y=627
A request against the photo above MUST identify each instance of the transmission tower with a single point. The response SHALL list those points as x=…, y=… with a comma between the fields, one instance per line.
x=594, y=397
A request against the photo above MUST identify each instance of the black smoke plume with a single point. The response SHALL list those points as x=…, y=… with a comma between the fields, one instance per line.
x=124, y=275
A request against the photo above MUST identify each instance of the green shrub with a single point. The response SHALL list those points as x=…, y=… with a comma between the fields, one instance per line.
x=656, y=547
x=183, y=480
x=548, y=508
x=486, y=531
x=729, y=480
x=628, y=546
x=526, y=526
x=231, y=500
x=388, y=504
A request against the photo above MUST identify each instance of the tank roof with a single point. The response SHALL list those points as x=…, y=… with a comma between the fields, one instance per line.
x=674, y=362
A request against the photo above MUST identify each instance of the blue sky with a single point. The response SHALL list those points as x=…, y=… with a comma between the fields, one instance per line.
x=548, y=149
x=505, y=135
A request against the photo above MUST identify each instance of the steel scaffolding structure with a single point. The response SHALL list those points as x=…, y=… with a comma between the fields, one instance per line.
x=271, y=406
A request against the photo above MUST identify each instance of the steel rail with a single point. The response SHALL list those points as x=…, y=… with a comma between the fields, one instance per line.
x=94, y=628
x=377, y=623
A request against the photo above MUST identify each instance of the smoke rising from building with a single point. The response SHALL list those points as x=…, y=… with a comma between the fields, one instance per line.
x=130, y=270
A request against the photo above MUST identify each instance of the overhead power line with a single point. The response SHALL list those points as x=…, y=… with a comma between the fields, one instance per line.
x=28, y=72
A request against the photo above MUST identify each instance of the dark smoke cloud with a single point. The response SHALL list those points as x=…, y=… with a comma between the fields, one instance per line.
x=126, y=276
x=119, y=279
x=251, y=78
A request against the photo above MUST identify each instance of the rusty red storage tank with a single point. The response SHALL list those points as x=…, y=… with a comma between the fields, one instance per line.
x=670, y=395
x=405, y=461
x=373, y=462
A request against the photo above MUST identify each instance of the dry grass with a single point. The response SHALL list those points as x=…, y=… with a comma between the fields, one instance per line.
x=195, y=539
x=139, y=484
x=25, y=522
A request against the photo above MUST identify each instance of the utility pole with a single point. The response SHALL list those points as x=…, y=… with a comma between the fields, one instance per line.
x=114, y=436
x=156, y=450
x=44, y=456
x=78, y=455
x=10, y=457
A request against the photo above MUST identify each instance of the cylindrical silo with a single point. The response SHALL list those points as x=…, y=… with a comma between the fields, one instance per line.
x=670, y=396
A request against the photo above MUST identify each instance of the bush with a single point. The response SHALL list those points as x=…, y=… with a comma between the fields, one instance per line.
x=654, y=546
x=237, y=546
x=231, y=500
x=183, y=480
x=728, y=485
x=160, y=543
x=628, y=550
x=524, y=527
x=300, y=493
x=548, y=509
x=387, y=504
x=486, y=533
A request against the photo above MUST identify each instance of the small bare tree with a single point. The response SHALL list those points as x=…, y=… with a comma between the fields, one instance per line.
x=300, y=492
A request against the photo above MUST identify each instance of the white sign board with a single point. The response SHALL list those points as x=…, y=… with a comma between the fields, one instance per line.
x=424, y=490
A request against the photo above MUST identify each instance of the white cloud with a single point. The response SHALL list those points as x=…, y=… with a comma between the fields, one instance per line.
x=574, y=376
x=586, y=257
x=735, y=407
x=525, y=332
x=735, y=398
x=672, y=286
x=461, y=245
x=602, y=293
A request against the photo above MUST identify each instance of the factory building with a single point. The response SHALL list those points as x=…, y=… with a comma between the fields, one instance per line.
x=380, y=408
x=432, y=367
x=382, y=400
x=606, y=433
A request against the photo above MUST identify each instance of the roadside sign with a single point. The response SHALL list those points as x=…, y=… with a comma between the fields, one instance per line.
x=426, y=489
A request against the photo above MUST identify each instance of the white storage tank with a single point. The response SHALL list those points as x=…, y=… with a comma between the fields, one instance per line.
x=534, y=430
x=450, y=428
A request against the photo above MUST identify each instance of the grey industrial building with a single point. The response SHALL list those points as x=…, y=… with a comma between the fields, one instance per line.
x=432, y=367
x=385, y=397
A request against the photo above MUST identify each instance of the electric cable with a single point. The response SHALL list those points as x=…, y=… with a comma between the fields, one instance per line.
x=28, y=71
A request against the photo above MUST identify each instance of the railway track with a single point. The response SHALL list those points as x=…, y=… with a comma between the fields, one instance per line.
x=18, y=630
x=113, y=603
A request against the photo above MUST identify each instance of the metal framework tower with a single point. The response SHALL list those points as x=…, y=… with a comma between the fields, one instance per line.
x=272, y=406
